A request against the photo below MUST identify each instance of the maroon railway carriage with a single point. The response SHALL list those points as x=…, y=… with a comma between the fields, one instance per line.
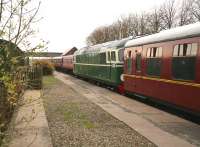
x=166, y=66
x=57, y=61
x=68, y=62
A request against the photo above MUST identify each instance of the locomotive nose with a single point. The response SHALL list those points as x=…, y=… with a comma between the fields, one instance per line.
x=122, y=77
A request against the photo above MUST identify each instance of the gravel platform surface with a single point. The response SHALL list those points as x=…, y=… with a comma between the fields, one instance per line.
x=74, y=121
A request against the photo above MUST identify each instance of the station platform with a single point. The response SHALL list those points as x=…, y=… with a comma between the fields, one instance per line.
x=160, y=127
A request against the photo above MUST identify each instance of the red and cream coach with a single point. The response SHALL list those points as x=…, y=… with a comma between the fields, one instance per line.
x=166, y=67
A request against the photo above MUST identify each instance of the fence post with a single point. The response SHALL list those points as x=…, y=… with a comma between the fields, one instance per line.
x=3, y=100
x=2, y=92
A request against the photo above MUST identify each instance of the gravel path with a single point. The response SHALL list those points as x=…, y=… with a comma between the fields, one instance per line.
x=75, y=121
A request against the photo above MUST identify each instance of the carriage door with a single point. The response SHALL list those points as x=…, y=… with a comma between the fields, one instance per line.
x=129, y=62
x=138, y=60
x=138, y=63
x=137, y=69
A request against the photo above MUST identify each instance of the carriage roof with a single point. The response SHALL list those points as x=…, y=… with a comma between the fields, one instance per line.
x=188, y=31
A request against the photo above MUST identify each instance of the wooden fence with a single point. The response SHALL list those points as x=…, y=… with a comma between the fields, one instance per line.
x=24, y=78
x=28, y=77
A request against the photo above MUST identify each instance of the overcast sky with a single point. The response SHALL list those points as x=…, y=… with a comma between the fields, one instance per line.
x=67, y=23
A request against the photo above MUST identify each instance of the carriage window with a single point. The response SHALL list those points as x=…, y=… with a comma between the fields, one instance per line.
x=188, y=49
x=194, y=49
x=148, y=53
x=160, y=52
x=121, y=55
x=113, y=57
x=129, y=54
x=155, y=52
x=184, y=61
x=180, y=53
x=183, y=50
x=176, y=48
x=154, y=61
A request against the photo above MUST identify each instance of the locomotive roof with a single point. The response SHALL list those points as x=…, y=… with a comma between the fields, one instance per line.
x=192, y=30
x=118, y=43
x=102, y=47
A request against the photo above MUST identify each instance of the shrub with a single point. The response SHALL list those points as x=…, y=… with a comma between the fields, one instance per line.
x=47, y=67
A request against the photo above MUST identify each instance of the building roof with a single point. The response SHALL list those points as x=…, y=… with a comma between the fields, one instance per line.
x=69, y=51
x=192, y=30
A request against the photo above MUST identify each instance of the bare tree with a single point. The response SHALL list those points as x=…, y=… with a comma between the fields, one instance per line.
x=185, y=15
x=18, y=22
x=154, y=21
x=125, y=26
x=98, y=36
x=114, y=30
x=144, y=30
x=168, y=12
x=17, y=29
x=135, y=25
x=1, y=9
x=129, y=26
x=164, y=17
x=196, y=9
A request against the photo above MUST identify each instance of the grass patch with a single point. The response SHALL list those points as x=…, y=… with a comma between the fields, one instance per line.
x=88, y=124
x=73, y=115
x=49, y=80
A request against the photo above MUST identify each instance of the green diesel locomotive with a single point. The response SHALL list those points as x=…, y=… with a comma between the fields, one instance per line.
x=102, y=63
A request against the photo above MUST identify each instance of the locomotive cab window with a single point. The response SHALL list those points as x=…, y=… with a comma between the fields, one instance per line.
x=184, y=61
x=154, y=58
x=113, y=56
x=108, y=56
